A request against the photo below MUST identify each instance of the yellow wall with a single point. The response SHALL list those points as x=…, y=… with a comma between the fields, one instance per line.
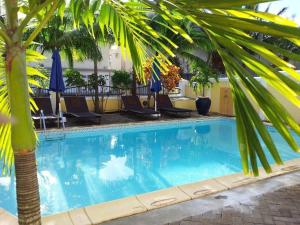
x=215, y=97
x=291, y=108
x=185, y=103
x=113, y=104
x=189, y=92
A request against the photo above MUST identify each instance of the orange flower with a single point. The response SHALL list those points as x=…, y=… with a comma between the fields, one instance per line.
x=171, y=78
x=148, y=69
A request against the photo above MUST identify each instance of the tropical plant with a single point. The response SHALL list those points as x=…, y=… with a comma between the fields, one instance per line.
x=203, y=76
x=277, y=41
x=171, y=77
x=88, y=46
x=94, y=81
x=43, y=81
x=58, y=34
x=185, y=49
x=121, y=79
x=74, y=78
x=225, y=23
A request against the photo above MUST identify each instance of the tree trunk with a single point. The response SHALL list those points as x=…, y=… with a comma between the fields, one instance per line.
x=133, y=87
x=27, y=188
x=22, y=137
x=149, y=94
x=96, y=88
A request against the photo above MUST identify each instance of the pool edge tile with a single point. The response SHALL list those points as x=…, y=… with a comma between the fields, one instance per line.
x=6, y=218
x=57, y=219
x=79, y=217
x=288, y=166
x=202, y=188
x=114, y=209
x=236, y=180
x=162, y=198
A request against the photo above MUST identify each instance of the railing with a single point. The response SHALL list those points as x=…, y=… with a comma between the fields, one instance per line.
x=106, y=90
x=40, y=91
x=89, y=91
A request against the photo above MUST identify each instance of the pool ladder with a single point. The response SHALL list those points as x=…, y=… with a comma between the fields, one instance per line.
x=53, y=137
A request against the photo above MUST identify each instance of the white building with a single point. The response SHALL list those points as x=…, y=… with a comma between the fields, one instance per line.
x=112, y=60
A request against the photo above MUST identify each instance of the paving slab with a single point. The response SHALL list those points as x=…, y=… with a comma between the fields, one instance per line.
x=269, y=202
x=162, y=198
x=202, y=188
x=7, y=218
x=57, y=219
x=114, y=209
x=79, y=217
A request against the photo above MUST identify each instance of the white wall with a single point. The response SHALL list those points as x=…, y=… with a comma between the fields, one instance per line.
x=112, y=60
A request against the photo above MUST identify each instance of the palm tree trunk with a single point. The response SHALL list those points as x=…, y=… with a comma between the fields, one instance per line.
x=27, y=188
x=133, y=86
x=22, y=137
x=96, y=87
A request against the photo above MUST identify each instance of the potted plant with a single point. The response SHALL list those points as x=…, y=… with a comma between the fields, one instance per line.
x=203, y=77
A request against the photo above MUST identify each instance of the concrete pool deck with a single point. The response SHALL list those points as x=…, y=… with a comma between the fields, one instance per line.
x=177, y=203
x=274, y=201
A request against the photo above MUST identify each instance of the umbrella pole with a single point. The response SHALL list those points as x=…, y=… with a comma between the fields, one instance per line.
x=57, y=109
x=155, y=101
x=57, y=103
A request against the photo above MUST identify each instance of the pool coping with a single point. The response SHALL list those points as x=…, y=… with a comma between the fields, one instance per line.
x=107, y=211
x=133, y=124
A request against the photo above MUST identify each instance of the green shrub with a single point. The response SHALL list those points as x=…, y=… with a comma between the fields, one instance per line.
x=74, y=78
x=94, y=80
x=121, y=79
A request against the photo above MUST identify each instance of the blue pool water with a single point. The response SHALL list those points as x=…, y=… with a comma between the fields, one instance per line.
x=98, y=165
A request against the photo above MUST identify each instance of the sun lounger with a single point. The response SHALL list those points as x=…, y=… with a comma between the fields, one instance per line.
x=133, y=105
x=76, y=107
x=165, y=105
x=45, y=110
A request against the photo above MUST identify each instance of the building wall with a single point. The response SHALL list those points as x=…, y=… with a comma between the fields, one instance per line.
x=112, y=60
x=222, y=100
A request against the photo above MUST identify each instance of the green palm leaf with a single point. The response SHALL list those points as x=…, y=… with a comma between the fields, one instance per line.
x=6, y=151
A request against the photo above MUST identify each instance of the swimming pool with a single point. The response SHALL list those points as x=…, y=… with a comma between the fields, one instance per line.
x=91, y=166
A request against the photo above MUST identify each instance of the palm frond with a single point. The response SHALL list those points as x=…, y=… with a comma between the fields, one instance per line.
x=6, y=151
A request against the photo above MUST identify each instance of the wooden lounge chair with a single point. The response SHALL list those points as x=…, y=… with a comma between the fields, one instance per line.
x=133, y=105
x=76, y=107
x=165, y=105
x=45, y=106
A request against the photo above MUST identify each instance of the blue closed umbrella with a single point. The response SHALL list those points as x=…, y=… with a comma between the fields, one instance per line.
x=56, y=78
x=155, y=81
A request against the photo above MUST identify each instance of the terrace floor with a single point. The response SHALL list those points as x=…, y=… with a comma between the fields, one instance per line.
x=122, y=118
x=274, y=201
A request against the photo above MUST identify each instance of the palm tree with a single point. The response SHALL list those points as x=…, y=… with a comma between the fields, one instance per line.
x=186, y=50
x=87, y=44
x=58, y=34
x=223, y=22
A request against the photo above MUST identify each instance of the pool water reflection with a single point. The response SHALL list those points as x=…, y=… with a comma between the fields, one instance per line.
x=95, y=166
